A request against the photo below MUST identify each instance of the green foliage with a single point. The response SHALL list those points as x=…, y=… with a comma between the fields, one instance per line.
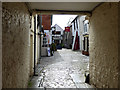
x=62, y=45
x=54, y=46
x=29, y=84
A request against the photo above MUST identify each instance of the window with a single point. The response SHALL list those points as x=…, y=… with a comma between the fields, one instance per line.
x=85, y=28
x=53, y=32
x=58, y=32
x=44, y=42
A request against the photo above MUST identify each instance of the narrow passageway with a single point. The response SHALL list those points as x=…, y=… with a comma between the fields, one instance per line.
x=65, y=69
x=29, y=31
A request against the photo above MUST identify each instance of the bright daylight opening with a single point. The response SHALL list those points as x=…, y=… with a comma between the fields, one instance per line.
x=64, y=51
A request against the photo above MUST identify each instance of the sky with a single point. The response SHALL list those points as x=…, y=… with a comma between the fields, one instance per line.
x=62, y=20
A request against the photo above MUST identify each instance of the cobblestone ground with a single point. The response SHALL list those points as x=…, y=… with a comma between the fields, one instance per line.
x=65, y=69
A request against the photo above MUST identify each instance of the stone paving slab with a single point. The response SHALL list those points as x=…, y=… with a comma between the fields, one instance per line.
x=77, y=78
x=65, y=69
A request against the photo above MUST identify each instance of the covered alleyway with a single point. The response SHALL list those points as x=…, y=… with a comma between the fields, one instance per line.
x=65, y=69
x=19, y=51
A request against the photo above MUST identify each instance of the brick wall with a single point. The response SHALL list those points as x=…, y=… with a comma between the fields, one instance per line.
x=15, y=41
x=46, y=22
x=104, y=46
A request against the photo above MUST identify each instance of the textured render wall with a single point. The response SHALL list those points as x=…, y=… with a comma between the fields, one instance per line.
x=32, y=47
x=38, y=48
x=104, y=46
x=0, y=45
x=16, y=43
x=37, y=43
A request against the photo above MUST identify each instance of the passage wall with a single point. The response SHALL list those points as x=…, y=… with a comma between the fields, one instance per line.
x=15, y=45
x=104, y=46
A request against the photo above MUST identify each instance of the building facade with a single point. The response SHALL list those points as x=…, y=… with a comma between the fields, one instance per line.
x=80, y=34
x=57, y=34
x=75, y=34
x=67, y=37
x=85, y=50
x=84, y=34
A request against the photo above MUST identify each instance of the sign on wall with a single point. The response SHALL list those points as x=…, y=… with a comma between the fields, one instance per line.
x=67, y=29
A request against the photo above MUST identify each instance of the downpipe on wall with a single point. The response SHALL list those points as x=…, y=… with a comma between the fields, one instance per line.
x=35, y=46
x=40, y=30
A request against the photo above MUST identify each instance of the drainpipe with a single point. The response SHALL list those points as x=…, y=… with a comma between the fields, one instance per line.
x=34, y=45
x=40, y=30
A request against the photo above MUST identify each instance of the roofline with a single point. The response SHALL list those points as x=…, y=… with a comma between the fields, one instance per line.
x=75, y=18
x=57, y=25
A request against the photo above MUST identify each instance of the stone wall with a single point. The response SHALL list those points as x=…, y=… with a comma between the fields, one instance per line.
x=16, y=45
x=104, y=46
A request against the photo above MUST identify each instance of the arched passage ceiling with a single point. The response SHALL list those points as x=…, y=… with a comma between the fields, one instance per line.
x=63, y=7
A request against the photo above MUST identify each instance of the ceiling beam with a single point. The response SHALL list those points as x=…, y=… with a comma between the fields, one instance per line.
x=38, y=11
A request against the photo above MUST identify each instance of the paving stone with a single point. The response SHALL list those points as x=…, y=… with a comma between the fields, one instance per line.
x=65, y=69
x=77, y=78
